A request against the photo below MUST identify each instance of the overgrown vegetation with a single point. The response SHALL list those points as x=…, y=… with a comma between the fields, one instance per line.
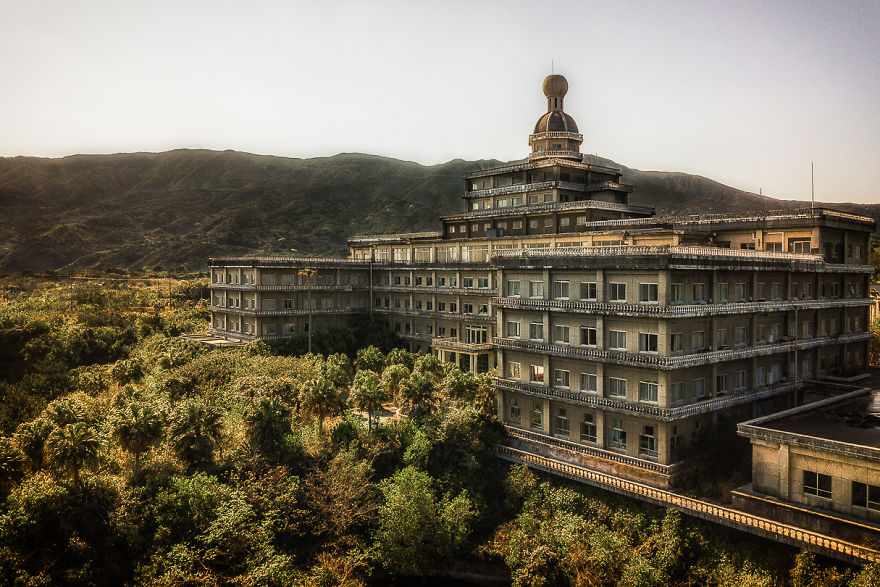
x=130, y=456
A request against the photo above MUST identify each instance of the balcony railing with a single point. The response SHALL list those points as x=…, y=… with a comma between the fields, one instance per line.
x=546, y=185
x=668, y=250
x=436, y=314
x=664, y=414
x=453, y=344
x=673, y=311
x=438, y=289
x=608, y=455
x=287, y=312
x=556, y=134
x=551, y=207
x=525, y=164
x=556, y=153
x=674, y=362
x=252, y=287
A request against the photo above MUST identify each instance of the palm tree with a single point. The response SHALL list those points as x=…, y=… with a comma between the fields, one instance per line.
x=31, y=439
x=136, y=429
x=72, y=447
x=310, y=275
x=367, y=394
x=392, y=377
x=267, y=425
x=321, y=398
x=196, y=430
x=417, y=395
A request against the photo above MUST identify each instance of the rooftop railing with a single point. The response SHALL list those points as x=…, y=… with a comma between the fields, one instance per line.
x=556, y=153
x=550, y=207
x=546, y=185
x=670, y=250
x=525, y=164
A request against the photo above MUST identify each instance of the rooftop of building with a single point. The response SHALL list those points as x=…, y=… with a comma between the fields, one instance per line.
x=847, y=424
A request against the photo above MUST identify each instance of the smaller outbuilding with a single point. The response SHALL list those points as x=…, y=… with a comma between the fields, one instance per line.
x=818, y=466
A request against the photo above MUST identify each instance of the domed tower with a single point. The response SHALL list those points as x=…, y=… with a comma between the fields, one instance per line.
x=556, y=133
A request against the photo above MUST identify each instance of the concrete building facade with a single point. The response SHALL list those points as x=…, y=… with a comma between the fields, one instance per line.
x=616, y=335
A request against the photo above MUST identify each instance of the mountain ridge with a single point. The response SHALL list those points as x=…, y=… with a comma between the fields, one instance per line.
x=177, y=208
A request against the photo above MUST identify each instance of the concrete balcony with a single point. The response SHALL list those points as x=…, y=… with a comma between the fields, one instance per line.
x=656, y=361
x=438, y=290
x=675, y=311
x=561, y=153
x=453, y=344
x=556, y=134
x=643, y=409
x=305, y=288
x=435, y=314
x=580, y=205
x=287, y=312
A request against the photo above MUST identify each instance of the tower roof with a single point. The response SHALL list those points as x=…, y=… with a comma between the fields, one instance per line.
x=556, y=120
x=555, y=86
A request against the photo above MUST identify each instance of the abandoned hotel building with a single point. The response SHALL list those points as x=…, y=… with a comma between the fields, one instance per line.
x=616, y=334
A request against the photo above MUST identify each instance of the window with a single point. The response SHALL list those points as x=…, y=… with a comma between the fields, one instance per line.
x=799, y=245
x=581, y=221
x=588, y=428
x=866, y=496
x=289, y=305
x=536, y=289
x=698, y=340
x=617, y=339
x=647, y=342
x=740, y=335
x=722, y=292
x=467, y=282
x=699, y=292
x=513, y=370
x=648, y=292
x=533, y=223
x=722, y=337
x=560, y=333
x=616, y=387
x=676, y=342
x=537, y=419
x=721, y=383
x=560, y=424
x=517, y=224
x=536, y=373
x=536, y=331
x=617, y=435
x=589, y=290
x=453, y=306
x=561, y=378
x=740, y=292
x=467, y=308
x=514, y=414
x=617, y=292
x=588, y=382
x=588, y=336
x=676, y=392
x=513, y=329
x=453, y=281
x=676, y=293
x=760, y=375
x=564, y=221
x=698, y=388
x=817, y=484
x=483, y=282
x=648, y=442
x=647, y=391
x=560, y=290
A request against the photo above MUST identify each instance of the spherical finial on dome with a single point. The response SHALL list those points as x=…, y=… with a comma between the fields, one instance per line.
x=555, y=86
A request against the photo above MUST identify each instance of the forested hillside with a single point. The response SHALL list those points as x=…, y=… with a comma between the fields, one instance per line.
x=177, y=208
x=129, y=456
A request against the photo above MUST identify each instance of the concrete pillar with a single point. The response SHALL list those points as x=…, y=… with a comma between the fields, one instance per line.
x=600, y=285
x=783, y=462
x=547, y=416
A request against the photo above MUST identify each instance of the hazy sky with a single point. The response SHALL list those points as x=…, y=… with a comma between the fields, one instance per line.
x=745, y=92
